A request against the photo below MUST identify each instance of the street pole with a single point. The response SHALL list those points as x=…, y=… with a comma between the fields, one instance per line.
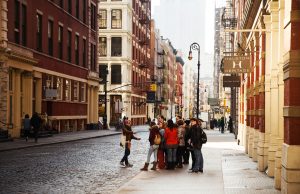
x=105, y=126
x=196, y=46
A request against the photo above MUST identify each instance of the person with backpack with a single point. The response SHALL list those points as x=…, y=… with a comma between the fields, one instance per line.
x=154, y=140
x=196, y=135
x=161, y=154
x=171, y=139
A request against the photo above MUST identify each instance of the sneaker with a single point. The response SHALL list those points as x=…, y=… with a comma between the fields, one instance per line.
x=122, y=164
x=129, y=165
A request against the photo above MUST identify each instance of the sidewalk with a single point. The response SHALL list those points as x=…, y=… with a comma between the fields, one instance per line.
x=63, y=137
x=226, y=170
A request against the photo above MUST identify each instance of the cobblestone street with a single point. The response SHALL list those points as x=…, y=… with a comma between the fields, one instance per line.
x=88, y=166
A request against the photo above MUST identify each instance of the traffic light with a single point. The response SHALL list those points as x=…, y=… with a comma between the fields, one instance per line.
x=153, y=87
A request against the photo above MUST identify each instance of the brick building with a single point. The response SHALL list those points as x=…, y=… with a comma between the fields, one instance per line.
x=50, y=59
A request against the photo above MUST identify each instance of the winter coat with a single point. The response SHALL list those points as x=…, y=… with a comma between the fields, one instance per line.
x=171, y=137
x=181, y=135
x=27, y=124
x=153, y=132
x=36, y=121
x=195, y=136
x=127, y=131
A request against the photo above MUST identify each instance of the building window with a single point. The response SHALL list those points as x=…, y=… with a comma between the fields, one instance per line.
x=75, y=90
x=77, y=8
x=59, y=88
x=24, y=25
x=93, y=57
x=84, y=53
x=67, y=90
x=69, y=46
x=116, y=46
x=103, y=19
x=77, y=50
x=82, y=92
x=70, y=6
x=116, y=77
x=93, y=16
x=103, y=73
x=17, y=21
x=61, y=3
x=50, y=37
x=103, y=46
x=60, y=42
x=84, y=11
x=39, y=32
x=116, y=19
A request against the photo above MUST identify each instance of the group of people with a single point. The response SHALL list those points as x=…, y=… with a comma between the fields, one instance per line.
x=33, y=123
x=170, y=143
x=220, y=123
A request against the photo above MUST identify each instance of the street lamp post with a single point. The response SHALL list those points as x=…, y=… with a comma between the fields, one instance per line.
x=105, y=126
x=196, y=46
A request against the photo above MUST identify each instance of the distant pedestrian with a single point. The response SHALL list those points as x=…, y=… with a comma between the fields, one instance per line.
x=222, y=124
x=36, y=122
x=154, y=140
x=27, y=127
x=127, y=131
x=171, y=139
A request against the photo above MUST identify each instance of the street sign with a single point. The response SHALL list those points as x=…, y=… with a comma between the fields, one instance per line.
x=150, y=97
x=213, y=101
x=231, y=81
x=236, y=64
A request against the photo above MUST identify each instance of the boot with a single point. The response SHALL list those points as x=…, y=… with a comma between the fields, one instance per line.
x=154, y=166
x=145, y=168
x=168, y=166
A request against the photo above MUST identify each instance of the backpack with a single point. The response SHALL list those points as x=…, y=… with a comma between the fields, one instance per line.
x=203, y=137
x=157, y=139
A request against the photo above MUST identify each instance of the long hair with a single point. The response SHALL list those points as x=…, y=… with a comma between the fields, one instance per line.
x=170, y=124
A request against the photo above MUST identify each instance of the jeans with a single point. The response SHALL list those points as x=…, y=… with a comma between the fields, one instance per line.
x=199, y=160
x=153, y=149
x=171, y=154
x=126, y=154
x=180, y=152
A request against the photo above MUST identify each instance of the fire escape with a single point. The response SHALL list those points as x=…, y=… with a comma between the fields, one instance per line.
x=144, y=41
x=229, y=21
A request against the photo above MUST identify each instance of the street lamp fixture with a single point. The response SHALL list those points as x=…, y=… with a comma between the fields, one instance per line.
x=196, y=46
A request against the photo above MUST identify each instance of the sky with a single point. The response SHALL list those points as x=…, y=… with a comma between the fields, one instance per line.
x=186, y=21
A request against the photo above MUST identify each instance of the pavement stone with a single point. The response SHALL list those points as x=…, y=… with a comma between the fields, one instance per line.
x=227, y=170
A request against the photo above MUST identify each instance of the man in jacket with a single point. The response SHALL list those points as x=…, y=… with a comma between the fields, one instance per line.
x=35, y=122
x=196, y=143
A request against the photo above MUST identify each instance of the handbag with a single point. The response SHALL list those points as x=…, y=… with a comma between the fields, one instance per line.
x=123, y=140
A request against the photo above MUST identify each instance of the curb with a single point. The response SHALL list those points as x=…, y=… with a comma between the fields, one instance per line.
x=58, y=142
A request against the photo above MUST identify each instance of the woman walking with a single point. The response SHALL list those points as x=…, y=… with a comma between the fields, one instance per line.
x=127, y=131
x=154, y=140
x=171, y=140
x=27, y=126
